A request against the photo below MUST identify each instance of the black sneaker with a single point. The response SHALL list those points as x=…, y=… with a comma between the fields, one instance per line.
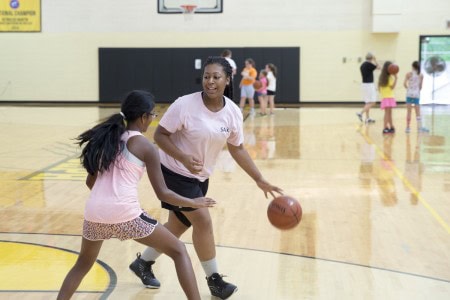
x=360, y=117
x=220, y=288
x=143, y=270
x=386, y=130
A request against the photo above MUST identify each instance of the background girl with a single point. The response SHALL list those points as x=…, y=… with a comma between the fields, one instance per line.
x=249, y=74
x=386, y=85
x=271, y=86
x=413, y=85
x=262, y=92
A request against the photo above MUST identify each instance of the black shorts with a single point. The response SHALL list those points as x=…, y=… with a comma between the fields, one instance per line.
x=186, y=187
x=270, y=93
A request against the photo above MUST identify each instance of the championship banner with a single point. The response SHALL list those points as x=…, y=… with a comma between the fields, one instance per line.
x=20, y=15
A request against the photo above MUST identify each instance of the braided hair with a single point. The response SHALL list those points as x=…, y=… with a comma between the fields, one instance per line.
x=228, y=92
x=103, y=141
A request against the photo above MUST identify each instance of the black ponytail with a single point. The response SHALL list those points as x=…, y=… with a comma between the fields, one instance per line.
x=103, y=141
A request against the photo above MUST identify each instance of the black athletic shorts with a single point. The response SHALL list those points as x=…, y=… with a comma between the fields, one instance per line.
x=186, y=187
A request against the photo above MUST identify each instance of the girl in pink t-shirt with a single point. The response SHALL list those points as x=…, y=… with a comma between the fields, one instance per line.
x=116, y=155
x=191, y=135
x=262, y=92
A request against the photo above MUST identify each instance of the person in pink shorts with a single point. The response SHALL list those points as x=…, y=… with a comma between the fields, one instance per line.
x=386, y=85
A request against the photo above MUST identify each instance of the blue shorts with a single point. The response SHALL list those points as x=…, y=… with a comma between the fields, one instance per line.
x=410, y=100
x=247, y=91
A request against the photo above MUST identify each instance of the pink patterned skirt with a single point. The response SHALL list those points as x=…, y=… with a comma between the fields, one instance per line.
x=137, y=228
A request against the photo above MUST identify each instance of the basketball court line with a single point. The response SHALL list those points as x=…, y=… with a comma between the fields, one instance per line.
x=8, y=247
x=68, y=168
x=400, y=175
x=113, y=276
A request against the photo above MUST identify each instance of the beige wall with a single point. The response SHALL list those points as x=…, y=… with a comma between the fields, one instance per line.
x=61, y=62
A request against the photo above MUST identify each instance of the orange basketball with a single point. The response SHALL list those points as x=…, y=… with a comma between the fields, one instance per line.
x=257, y=84
x=393, y=69
x=284, y=212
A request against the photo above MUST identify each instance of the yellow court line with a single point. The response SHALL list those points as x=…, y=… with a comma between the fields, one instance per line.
x=407, y=183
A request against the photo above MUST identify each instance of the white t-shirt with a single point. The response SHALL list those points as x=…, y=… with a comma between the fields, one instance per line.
x=231, y=62
x=200, y=132
x=272, y=86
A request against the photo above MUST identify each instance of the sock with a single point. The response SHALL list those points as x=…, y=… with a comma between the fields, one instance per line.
x=210, y=267
x=150, y=254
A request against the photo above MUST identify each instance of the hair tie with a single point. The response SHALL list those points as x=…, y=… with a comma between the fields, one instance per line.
x=123, y=115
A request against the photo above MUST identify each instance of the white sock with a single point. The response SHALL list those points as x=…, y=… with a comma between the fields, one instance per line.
x=150, y=254
x=210, y=266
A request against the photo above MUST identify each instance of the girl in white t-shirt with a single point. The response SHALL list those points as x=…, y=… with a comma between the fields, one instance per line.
x=191, y=135
x=271, y=86
x=116, y=155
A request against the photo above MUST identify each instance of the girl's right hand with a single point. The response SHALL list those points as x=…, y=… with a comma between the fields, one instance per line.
x=192, y=164
x=203, y=202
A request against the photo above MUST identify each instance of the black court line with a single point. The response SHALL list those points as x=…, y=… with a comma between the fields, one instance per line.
x=109, y=270
x=340, y=262
x=49, y=167
x=246, y=116
x=280, y=253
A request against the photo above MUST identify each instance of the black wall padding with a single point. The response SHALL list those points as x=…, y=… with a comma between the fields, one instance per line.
x=169, y=72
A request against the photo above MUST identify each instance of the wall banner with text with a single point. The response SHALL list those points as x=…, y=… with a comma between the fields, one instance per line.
x=20, y=15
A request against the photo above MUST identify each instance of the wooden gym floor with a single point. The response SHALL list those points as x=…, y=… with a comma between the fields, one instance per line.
x=375, y=223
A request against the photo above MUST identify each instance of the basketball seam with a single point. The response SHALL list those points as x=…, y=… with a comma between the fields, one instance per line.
x=295, y=214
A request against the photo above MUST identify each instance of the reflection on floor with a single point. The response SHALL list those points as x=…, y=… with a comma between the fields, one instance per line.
x=375, y=223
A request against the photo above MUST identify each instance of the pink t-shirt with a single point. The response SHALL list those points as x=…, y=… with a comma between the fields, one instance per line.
x=114, y=196
x=263, y=89
x=200, y=132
